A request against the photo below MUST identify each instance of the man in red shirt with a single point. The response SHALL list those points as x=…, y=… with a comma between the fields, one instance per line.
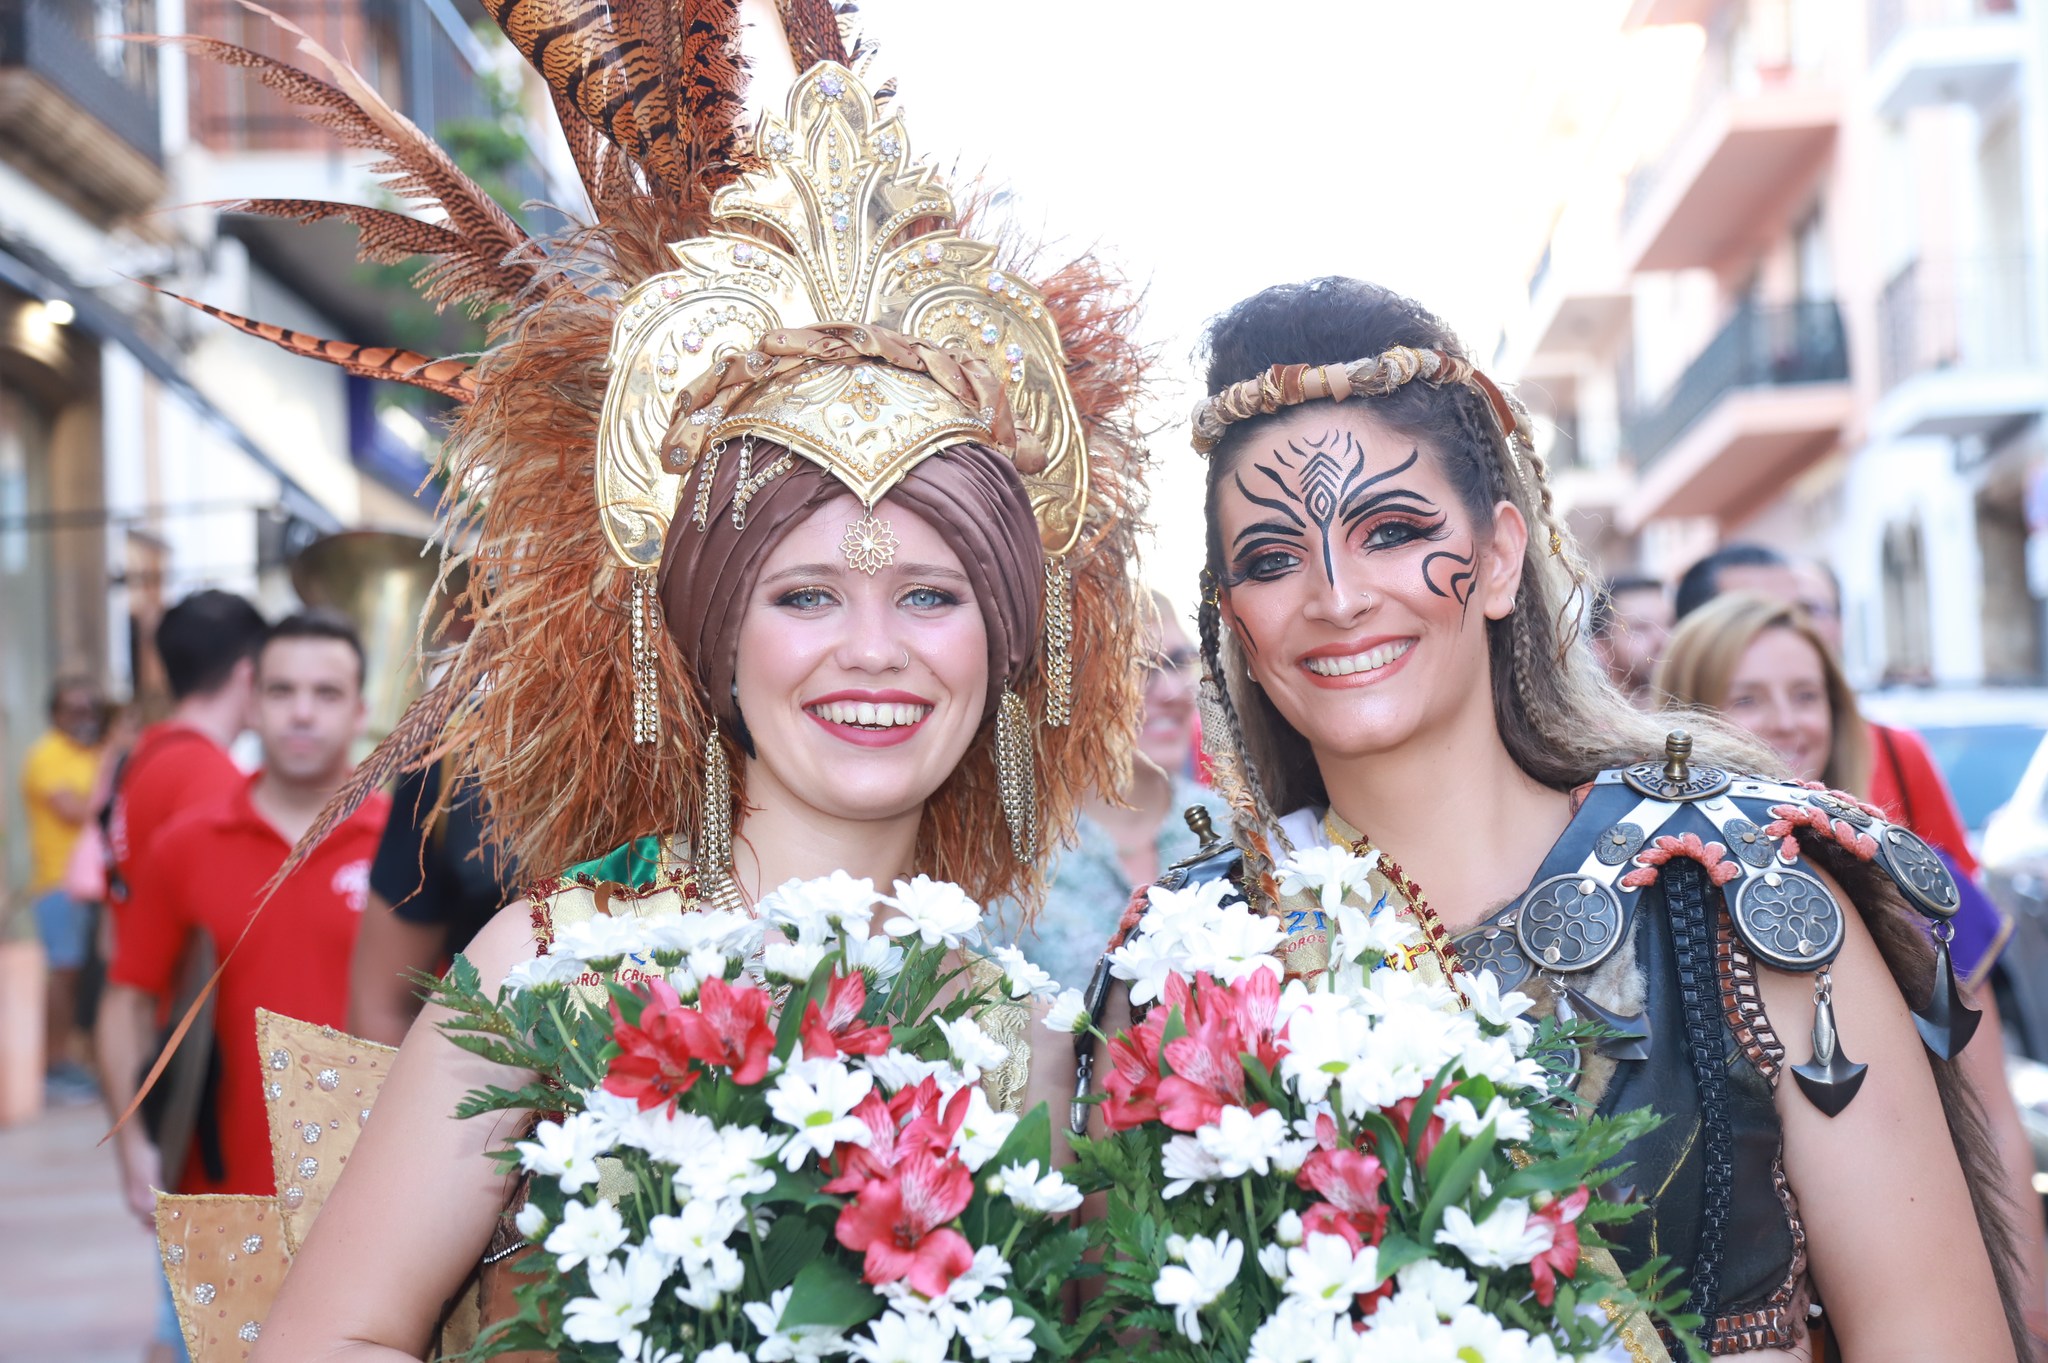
x=207, y=644
x=204, y=873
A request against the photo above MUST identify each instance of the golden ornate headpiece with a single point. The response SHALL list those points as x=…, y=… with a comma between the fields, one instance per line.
x=1286, y=385
x=840, y=315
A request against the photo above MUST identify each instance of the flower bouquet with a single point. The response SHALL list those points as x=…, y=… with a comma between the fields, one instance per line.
x=765, y=1140
x=1384, y=1163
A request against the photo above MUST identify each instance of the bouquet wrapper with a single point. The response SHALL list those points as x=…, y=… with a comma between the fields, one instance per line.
x=225, y=1257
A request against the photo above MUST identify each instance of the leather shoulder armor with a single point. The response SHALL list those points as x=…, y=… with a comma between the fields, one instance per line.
x=1747, y=833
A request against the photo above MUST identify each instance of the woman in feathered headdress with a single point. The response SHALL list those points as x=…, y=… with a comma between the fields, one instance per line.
x=795, y=513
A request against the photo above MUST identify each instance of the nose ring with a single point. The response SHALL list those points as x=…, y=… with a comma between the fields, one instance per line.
x=903, y=666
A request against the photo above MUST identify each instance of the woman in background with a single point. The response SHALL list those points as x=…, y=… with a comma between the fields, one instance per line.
x=1127, y=841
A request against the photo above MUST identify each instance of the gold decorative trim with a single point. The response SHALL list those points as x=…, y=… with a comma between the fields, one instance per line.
x=815, y=235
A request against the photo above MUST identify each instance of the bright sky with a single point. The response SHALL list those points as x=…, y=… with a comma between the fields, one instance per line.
x=1211, y=150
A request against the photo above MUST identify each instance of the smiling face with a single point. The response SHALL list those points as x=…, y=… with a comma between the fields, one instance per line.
x=1357, y=583
x=1779, y=692
x=861, y=693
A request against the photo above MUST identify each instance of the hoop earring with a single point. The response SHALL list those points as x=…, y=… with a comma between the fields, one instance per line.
x=1016, y=782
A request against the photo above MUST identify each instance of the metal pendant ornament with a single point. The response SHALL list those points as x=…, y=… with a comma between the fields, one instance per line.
x=1947, y=1023
x=869, y=545
x=1831, y=1078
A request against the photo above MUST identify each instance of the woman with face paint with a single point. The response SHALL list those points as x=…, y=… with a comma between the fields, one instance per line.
x=1389, y=627
x=791, y=537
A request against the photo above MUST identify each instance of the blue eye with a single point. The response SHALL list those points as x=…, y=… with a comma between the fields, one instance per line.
x=929, y=598
x=805, y=599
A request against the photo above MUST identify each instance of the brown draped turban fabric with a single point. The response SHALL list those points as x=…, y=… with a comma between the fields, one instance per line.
x=969, y=493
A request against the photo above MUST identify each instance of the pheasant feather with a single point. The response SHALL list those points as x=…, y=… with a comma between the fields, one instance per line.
x=450, y=378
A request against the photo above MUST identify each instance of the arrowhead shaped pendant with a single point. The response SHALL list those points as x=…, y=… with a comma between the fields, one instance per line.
x=1633, y=1029
x=1947, y=1023
x=1830, y=1079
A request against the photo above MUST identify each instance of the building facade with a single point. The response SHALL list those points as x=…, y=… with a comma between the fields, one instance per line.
x=146, y=450
x=1802, y=300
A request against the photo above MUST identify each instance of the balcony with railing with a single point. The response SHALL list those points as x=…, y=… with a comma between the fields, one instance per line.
x=1959, y=348
x=1758, y=133
x=1928, y=52
x=78, y=107
x=1764, y=399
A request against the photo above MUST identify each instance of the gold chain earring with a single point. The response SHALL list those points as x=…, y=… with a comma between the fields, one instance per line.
x=646, y=685
x=1015, y=778
x=713, y=852
x=1059, y=641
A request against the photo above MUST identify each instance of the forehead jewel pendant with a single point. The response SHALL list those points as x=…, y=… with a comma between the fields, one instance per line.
x=869, y=545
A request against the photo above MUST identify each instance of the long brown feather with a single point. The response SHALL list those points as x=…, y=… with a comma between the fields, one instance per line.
x=450, y=378
x=598, y=68
x=471, y=212
x=714, y=81
x=414, y=167
x=812, y=28
x=461, y=276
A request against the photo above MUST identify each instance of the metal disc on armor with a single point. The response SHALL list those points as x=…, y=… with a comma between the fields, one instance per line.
x=1922, y=875
x=1700, y=783
x=1748, y=843
x=1839, y=808
x=1618, y=844
x=1494, y=948
x=1570, y=923
x=1788, y=918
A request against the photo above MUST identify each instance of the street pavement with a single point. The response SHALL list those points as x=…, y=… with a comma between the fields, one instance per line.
x=76, y=1268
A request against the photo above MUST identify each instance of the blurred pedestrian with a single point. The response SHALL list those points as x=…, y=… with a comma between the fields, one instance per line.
x=207, y=643
x=1127, y=841
x=199, y=881
x=56, y=785
x=433, y=886
x=1631, y=621
x=1766, y=665
x=1738, y=567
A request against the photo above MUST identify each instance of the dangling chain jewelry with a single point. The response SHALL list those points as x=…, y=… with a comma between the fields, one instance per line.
x=700, y=514
x=751, y=483
x=713, y=852
x=1014, y=777
x=646, y=693
x=1059, y=640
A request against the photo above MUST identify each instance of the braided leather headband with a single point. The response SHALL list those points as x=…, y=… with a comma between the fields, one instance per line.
x=1285, y=385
